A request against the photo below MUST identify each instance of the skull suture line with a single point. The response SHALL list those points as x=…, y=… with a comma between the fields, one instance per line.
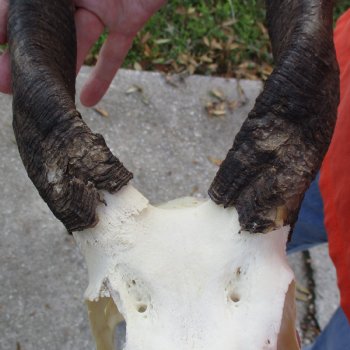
x=183, y=277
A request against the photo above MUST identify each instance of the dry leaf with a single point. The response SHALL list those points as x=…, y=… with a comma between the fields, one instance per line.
x=214, y=44
x=159, y=60
x=133, y=89
x=145, y=100
x=233, y=104
x=138, y=89
x=228, y=23
x=233, y=46
x=216, y=109
x=181, y=10
x=241, y=94
x=266, y=69
x=162, y=41
x=193, y=62
x=101, y=111
x=145, y=38
x=137, y=66
x=302, y=293
x=205, y=59
x=191, y=69
x=228, y=31
x=169, y=79
x=206, y=41
x=216, y=92
x=213, y=67
x=218, y=112
x=147, y=50
x=183, y=58
x=191, y=11
x=262, y=28
x=215, y=161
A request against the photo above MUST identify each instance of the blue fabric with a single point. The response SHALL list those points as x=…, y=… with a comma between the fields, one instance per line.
x=308, y=232
x=309, y=229
x=336, y=336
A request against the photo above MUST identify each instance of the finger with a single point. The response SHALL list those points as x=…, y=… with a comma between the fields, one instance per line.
x=3, y=21
x=100, y=8
x=88, y=29
x=5, y=73
x=110, y=59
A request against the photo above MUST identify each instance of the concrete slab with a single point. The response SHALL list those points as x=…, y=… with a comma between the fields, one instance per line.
x=327, y=293
x=317, y=295
x=164, y=135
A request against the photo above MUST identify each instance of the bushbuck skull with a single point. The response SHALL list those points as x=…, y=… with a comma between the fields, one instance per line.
x=186, y=275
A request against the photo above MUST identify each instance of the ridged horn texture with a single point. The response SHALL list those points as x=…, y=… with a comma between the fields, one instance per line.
x=67, y=163
x=280, y=146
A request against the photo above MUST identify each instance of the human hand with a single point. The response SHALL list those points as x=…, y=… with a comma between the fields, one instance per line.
x=122, y=18
x=280, y=146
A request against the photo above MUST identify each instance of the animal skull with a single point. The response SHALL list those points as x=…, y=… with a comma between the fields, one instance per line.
x=184, y=277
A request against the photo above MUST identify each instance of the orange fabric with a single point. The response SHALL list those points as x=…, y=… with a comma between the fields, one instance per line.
x=335, y=172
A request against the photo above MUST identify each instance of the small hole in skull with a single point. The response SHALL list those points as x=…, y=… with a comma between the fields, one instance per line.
x=142, y=308
x=235, y=297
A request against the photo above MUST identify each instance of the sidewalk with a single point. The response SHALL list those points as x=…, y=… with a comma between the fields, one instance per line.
x=161, y=131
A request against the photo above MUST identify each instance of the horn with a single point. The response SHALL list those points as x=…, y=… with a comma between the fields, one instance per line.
x=281, y=144
x=67, y=163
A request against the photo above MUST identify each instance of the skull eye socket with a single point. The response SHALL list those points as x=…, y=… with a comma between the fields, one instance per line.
x=142, y=308
x=234, y=297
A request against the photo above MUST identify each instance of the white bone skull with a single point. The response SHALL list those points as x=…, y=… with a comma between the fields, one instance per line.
x=184, y=277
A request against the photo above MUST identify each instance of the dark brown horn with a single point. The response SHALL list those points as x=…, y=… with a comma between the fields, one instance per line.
x=280, y=146
x=67, y=163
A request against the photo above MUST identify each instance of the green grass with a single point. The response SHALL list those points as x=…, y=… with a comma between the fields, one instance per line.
x=204, y=36
x=211, y=37
x=341, y=6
